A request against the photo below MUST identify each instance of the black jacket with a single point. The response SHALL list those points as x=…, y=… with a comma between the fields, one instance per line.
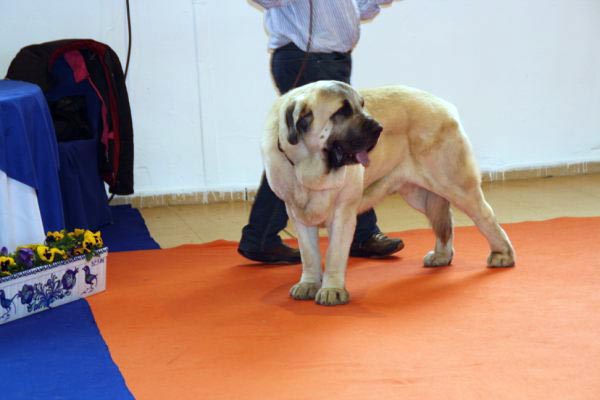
x=34, y=63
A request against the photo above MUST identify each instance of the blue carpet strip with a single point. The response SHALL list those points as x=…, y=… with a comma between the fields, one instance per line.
x=60, y=353
x=128, y=232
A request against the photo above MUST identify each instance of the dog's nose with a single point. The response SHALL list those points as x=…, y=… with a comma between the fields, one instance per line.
x=377, y=130
x=372, y=127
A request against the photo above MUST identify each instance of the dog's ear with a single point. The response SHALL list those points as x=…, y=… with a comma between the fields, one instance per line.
x=291, y=126
x=298, y=120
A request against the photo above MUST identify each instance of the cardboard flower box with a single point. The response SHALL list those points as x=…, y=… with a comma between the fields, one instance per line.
x=42, y=287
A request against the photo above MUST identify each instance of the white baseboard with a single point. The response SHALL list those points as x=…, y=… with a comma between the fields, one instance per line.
x=210, y=197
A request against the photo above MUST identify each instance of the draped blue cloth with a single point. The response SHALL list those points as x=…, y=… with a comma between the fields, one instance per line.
x=85, y=203
x=28, y=147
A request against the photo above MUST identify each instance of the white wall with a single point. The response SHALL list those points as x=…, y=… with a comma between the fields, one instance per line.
x=524, y=75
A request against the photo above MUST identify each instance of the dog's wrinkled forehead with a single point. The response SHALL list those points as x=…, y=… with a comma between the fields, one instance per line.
x=339, y=94
x=318, y=103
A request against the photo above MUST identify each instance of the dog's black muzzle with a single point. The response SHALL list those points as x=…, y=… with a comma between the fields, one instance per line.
x=354, y=146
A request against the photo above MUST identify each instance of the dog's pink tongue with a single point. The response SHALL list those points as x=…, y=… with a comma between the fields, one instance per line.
x=363, y=158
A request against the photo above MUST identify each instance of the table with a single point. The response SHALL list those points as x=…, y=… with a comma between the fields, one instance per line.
x=30, y=195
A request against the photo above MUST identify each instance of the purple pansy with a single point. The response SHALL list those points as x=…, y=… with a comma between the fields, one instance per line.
x=25, y=257
x=3, y=252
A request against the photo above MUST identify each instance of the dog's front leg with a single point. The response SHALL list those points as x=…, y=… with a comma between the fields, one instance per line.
x=340, y=230
x=310, y=282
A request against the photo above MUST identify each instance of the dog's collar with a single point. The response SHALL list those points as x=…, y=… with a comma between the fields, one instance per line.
x=281, y=150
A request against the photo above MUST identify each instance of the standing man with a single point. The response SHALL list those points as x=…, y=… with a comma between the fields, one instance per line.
x=311, y=40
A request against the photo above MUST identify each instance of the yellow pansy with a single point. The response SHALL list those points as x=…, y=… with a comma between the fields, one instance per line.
x=44, y=253
x=55, y=236
x=59, y=252
x=47, y=254
x=6, y=262
x=98, y=237
x=89, y=241
x=29, y=246
x=76, y=232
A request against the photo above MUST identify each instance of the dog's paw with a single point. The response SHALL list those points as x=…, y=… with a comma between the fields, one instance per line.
x=433, y=259
x=332, y=296
x=304, y=290
x=501, y=260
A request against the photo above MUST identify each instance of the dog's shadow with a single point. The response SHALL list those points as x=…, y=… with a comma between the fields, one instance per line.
x=432, y=286
x=280, y=297
x=404, y=295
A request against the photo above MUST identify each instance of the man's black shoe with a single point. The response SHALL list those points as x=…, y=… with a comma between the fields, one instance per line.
x=377, y=246
x=279, y=254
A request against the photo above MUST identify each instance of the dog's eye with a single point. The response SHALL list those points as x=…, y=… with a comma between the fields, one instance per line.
x=304, y=122
x=344, y=111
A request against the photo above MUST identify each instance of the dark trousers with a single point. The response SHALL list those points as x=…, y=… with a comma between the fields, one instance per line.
x=268, y=215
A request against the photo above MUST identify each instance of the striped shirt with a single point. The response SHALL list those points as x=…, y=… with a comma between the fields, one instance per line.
x=336, y=23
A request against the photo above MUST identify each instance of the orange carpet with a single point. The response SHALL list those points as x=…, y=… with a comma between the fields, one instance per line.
x=199, y=322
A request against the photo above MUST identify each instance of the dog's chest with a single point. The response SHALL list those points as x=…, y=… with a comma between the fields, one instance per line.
x=312, y=207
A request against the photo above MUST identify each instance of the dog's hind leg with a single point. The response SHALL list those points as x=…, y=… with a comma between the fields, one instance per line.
x=310, y=282
x=437, y=210
x=473, y=204
x=439, y=214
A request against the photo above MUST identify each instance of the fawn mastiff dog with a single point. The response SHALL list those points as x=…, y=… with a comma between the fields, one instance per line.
x=332, y=152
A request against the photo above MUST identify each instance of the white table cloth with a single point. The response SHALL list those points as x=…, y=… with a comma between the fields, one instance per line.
x=20, y=217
